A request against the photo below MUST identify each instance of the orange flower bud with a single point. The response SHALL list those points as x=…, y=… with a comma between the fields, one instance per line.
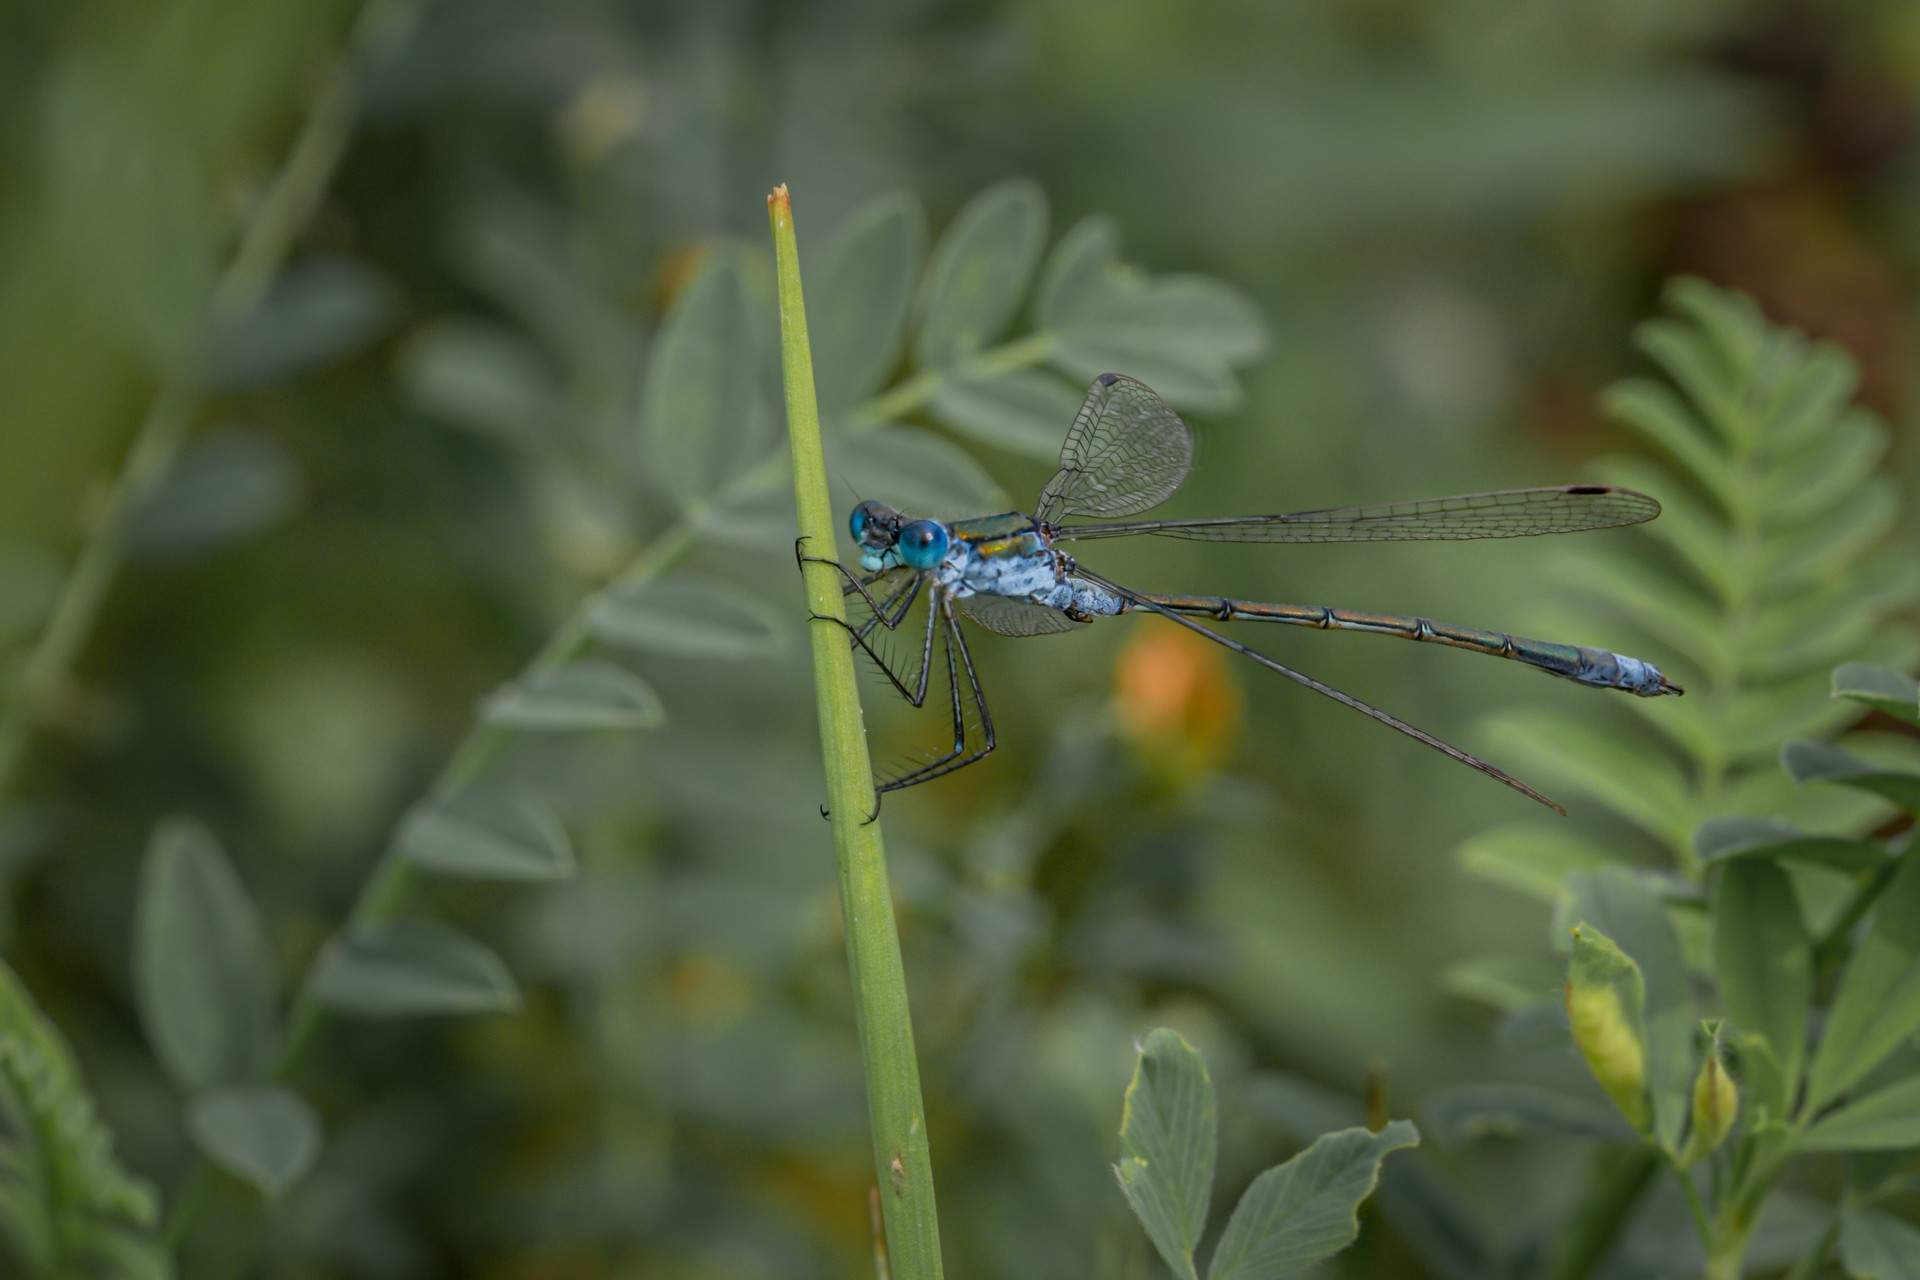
x=1174, y=700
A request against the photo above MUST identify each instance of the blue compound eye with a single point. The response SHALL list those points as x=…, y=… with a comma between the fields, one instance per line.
x=923, y=544
x=867, y=516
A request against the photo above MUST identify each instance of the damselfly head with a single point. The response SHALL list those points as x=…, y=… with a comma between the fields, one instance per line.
x=873, y=525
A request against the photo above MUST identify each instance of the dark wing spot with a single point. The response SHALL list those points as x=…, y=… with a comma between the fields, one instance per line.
x=1107, y=379
x=1589, y=488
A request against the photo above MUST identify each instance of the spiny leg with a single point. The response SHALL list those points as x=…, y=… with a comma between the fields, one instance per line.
x=852, y=584
x=918, y=694
x=957, y=711
x=958, y=659
x=905, y=595
x=890, y=614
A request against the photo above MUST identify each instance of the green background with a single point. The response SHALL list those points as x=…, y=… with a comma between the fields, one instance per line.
x=1451, y=217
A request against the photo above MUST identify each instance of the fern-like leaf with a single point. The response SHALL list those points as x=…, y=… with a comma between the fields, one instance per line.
x=1766, y=568
x=68, y=1209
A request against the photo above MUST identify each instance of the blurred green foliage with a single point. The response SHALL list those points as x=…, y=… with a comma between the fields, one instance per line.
x=413, y=443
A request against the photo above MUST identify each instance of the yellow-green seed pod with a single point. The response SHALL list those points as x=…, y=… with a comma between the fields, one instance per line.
x=1606, y=1007
x=1716, y=1101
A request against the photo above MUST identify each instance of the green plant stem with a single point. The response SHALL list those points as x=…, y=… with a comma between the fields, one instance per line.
x=264, y=244
x=381, y=896
x=909, y=395
x=386, y=889
x=1726, y=1253
x=268, y=237
x=902, y=1158
x=1695, y=1204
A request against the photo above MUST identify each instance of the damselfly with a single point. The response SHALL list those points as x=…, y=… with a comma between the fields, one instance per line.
x=1127, y=452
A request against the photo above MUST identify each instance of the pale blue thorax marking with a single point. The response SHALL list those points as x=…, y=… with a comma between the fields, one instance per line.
x=1035, y=578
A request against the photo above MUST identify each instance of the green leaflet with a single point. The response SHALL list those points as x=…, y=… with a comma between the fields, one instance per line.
x=689, y=617
x=862, y=294
x=202, y=969
x=980, y=272
x=1824, y=762
x=485, y=377
x=1764, y=960
x=67, y=1207
x=1077, y=271
x=918, y=472
x=582, y=695
x=487, y=832
x=1167, y=1137
x=1181, y=335
x=1878, y=1246
x=407, y=968
x=1531, y=859
x=1881, y=688
x=1885, y=1121
x=1023, y=410
x=706, y=416
x=1418, y=1203
x=264, y=1135
x=1878, y=1003
x=1735, y=839
x=222, y=488
x=1508, y=984
x=316, y=312
x=1306, y=1210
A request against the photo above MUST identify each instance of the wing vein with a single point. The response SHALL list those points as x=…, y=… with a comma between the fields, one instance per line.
x=1512, y=513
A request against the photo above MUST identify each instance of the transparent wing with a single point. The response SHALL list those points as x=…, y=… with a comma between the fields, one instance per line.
x=1514, y=513
x=1016, y=617
x=1127, y=452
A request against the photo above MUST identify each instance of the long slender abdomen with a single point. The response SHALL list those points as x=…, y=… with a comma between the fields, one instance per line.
x=1599, y=667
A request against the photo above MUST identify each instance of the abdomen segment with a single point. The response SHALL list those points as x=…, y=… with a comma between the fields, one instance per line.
x=1599, y=667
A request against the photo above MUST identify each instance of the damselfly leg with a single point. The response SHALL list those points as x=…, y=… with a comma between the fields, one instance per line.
x=1141, y=600
x=889, y=610
x=958, y=661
